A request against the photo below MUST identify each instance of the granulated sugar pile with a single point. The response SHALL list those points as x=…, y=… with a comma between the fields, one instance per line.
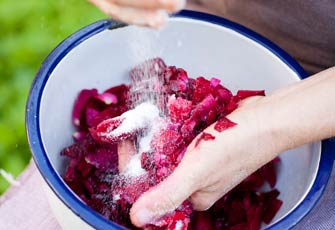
x=145, y=115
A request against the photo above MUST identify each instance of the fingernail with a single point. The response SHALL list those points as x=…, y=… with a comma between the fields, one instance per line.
x=143, y=216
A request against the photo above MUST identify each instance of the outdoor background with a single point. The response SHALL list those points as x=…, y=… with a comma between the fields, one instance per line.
x=29, y=30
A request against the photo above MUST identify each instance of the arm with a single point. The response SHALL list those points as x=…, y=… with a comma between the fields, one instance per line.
x=312, y=102
x=292, y=116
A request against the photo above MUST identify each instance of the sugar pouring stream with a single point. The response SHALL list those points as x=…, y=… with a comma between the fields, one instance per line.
x=145, y=95
x=143, y=46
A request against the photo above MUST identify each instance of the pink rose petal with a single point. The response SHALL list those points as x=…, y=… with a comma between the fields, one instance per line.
x=214, y=82
x=80, y=103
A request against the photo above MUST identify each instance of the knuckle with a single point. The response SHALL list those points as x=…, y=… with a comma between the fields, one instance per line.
x=201, y=205
x=170, y=203
x=200, y=202
x=165, y=204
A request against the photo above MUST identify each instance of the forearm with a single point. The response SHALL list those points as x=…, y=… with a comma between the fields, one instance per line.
x=303, y=112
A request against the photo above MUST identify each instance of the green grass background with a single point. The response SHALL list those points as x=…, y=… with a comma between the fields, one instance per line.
x=29, y=30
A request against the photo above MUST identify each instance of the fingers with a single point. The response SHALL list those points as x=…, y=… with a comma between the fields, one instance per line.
x=126, y=150
x=168, y=5
x=162, y=199
x=152, y=18
x=151, y=13
x=190, y=176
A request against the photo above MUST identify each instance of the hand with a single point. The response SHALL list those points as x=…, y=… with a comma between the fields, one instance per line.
x=212, y=168
x=152, y=13
x=266, y=126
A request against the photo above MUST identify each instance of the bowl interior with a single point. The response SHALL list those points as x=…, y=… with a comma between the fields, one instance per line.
x=199, y=47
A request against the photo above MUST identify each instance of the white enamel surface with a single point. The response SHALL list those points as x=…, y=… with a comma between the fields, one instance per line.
x=202, y=49
x=66, y=218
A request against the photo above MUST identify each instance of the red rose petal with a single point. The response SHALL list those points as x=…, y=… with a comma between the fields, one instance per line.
x=132, y=190
x=271, y=205
x=80, y=103
x=79, y=135
x=254, y=217
x=103, y=133
x=149, y=68
x=232, y=105
x=253, y=182
x=236, y=213
x=272, y=210
x=172, y=73
x=268, y=171
x=212, y=116
x=90, y=114
x=202, y=89
x=203, y=108
x=179, y=109
x=201, y=221
x=223, y=124
x=241, y=226
x=214, y=82
x=242, y=94
x=224, y=93
x=179, y=221
x=122, y=93
x=204, y=136
x=162, y=142
x=103, y=158
x=109, y=112
x=188, y=129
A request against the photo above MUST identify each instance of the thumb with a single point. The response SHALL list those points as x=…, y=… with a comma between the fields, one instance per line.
x=165, y=197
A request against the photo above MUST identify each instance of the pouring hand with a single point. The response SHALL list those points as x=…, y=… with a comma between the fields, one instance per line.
x=152, y=13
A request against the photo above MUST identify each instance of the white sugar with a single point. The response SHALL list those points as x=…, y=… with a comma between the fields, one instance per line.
x=156, y=67
x=144, y=115
x=138, y=118
x=134, y=168
x=116, y=197
x=144, y=143
x=179, y=225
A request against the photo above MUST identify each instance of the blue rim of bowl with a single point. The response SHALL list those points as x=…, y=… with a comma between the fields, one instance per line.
x=91, y=217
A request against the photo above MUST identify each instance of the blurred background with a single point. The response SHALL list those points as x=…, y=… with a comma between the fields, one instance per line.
x=29, y=30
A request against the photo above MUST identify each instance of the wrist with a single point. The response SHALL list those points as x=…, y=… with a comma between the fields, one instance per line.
x=256, y=130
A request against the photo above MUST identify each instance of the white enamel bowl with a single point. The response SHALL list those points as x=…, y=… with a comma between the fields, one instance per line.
x=100, y=55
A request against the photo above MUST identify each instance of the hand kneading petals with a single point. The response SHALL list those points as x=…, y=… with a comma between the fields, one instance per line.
x=214, y=163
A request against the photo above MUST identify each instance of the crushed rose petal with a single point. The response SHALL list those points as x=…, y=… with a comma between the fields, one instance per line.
x=191, y=105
